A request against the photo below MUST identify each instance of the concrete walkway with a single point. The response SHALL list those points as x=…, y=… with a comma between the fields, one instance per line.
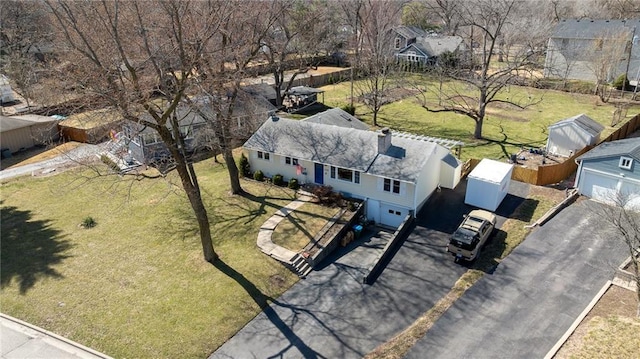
x=266, y=231
x=19, y=340
x=76, y=155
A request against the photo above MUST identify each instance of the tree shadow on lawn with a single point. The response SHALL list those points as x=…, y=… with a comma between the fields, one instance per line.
x=29, y=249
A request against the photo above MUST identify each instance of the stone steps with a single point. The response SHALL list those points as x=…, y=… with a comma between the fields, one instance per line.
x=300, y=266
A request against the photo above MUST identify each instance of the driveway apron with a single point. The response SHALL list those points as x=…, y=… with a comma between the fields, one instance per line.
x=534, y=295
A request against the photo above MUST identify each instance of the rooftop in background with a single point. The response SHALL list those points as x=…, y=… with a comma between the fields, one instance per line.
x=592, y=29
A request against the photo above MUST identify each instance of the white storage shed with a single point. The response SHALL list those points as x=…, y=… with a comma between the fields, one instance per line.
x=573, y=134
x=488, y=184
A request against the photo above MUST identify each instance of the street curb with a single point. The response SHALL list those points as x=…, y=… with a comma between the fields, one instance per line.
x=577, y=322
x=79, y=346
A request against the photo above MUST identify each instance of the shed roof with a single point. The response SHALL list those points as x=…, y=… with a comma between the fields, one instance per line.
x=491, y=171
x=582, y=121
x=593, y=29
x=343, y=147
x=337, y=117
x=627, y=147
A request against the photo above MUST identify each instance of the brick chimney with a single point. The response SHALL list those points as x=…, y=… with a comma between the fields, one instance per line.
x=384, y=140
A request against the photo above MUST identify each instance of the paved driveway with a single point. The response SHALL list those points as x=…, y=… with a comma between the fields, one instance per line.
x=331, y=314
x=534, y=295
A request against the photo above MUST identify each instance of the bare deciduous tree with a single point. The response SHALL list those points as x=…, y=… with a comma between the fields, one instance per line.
x=24, y=34
x=624, y=216
x=487, y=22
x=140, y=59
x=377, y=60
x=606, y=59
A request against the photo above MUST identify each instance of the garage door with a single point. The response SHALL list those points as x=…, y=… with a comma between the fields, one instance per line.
x=598, y=186
x=392, y=216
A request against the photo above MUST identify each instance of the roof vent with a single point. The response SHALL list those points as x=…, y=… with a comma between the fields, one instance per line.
x=274, y=118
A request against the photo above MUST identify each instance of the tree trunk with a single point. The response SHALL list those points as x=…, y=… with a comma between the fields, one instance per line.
x=234, y=176
x=477, y=133
x=195, y=199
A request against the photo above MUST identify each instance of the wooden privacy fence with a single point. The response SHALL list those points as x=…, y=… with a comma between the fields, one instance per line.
x=554, y=173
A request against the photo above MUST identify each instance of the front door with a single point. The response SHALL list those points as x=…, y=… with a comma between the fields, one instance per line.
x=318, y=170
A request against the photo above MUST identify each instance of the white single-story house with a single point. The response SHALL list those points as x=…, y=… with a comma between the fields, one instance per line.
x=394, y=173
x=571, y=135
x=22, y=132
x=610, y=172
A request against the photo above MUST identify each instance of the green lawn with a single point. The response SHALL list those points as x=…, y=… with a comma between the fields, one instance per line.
x=299, y=227
x=136, y=285
x=506, y=128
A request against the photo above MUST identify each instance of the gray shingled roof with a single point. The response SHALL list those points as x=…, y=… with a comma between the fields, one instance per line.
x=410, y=32
x=337, y=117
x=627, y=147
x=342, y=147
x=436, y=45
x=584, y=122
x=592, y=29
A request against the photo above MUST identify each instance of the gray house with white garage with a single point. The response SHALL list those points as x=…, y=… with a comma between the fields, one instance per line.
x=611, y=171
x=395, y=173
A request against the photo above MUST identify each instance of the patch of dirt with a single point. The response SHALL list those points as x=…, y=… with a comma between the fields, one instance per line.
x=533, y=158
x=617, y=301
x=277, y=281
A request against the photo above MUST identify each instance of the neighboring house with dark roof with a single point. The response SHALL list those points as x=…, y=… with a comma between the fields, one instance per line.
x=427, y=50
x=145, y=146
x=337, y=117
x=395, y=174
x=578, y=48
x=611, y=171
x=406, y=35
x=570, y=135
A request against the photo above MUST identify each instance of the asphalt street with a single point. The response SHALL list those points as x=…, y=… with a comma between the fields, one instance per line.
x=533, y=297
x=331, y=314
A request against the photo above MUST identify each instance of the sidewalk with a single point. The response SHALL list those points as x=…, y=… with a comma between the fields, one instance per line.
x=20, y=340
x=266, y=231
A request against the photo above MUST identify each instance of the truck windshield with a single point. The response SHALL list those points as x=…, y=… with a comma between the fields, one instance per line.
x=463, y=235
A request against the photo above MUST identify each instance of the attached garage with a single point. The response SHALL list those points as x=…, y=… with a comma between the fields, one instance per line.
x=386, y=214
x=610, y=173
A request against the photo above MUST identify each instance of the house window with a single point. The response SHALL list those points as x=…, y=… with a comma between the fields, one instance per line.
x=391, y=186
x=264, y=155
x=291, y=161
x=625, y=163
x=345, y=174
x=149, y=138
x=397, y=43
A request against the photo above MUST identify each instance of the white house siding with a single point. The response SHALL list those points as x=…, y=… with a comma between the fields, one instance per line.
x=567, y=139
x=429, y=179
